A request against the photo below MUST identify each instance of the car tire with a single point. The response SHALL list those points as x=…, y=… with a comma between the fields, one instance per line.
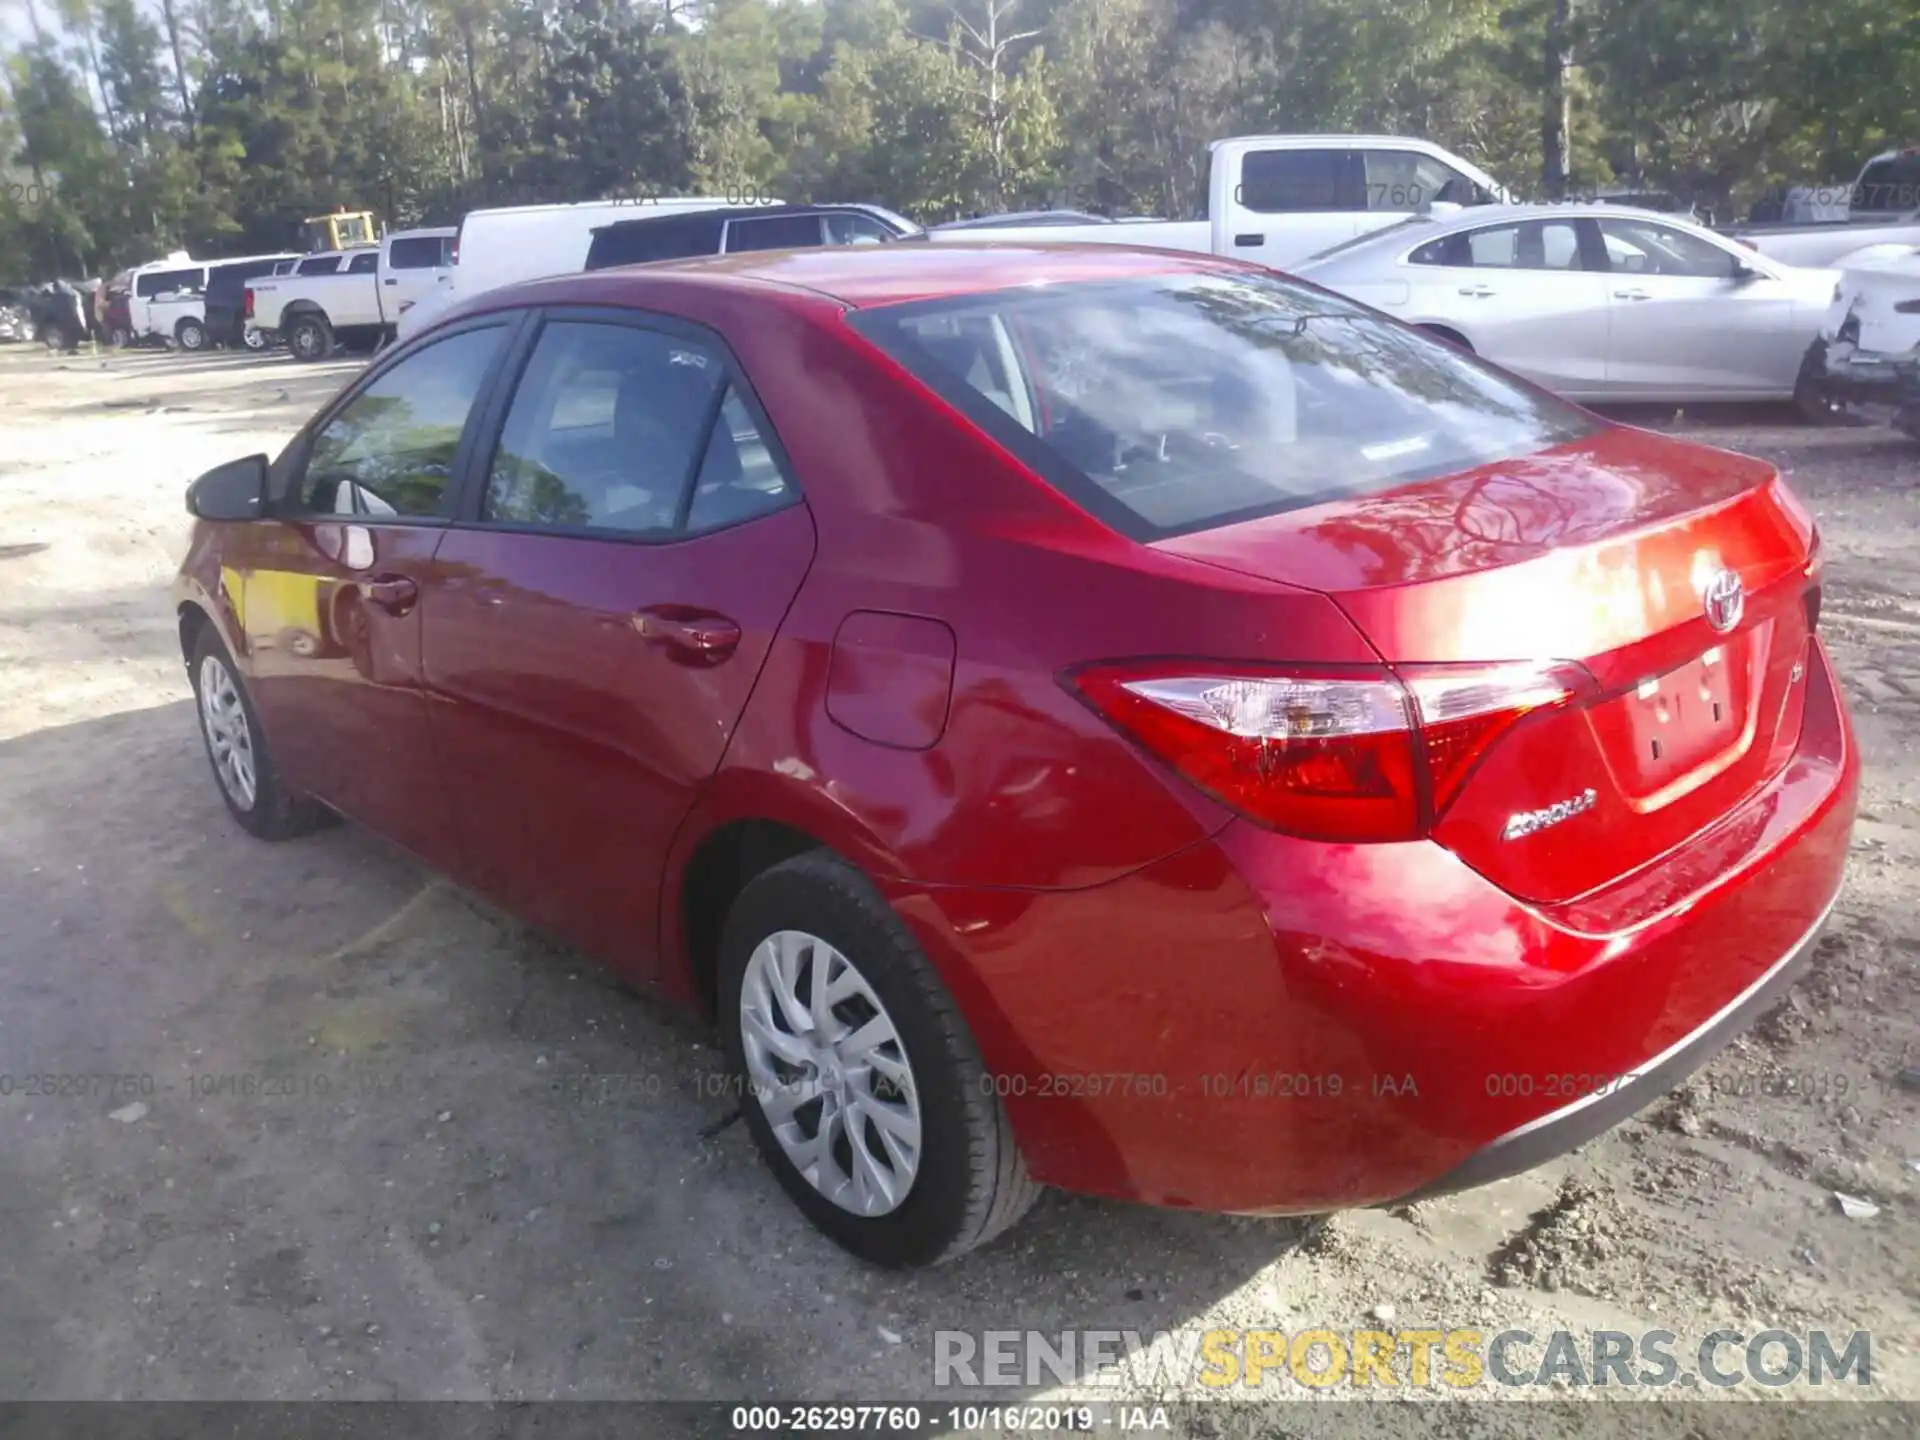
x=967, y=1181
x=1811, y=399
x=243, y=768
x=253, y=339
x=190, y=335
x=119, y=337
x=310, y=338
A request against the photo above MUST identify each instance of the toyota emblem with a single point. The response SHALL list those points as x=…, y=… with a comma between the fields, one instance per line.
x=1726, y=599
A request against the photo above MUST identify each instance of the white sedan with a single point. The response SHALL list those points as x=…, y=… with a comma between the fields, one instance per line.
x=1598, y=303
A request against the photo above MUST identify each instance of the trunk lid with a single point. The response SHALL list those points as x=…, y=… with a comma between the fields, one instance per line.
x=1602, y=552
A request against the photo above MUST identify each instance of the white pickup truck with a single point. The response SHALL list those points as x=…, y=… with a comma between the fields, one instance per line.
x=1277, y=199
x=356, y=301
x=1882, y=208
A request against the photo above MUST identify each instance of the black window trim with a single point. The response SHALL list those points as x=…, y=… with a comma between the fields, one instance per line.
x=289, y=471
x=475, y=468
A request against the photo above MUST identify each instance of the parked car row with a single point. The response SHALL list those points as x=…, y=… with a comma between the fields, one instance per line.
x=524, y=242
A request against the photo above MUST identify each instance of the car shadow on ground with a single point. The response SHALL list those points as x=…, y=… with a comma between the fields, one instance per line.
x=372, y=1101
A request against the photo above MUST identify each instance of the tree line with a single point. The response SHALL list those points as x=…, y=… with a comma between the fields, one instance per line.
x=132, y=127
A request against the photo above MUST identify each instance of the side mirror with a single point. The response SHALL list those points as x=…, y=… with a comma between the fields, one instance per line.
x=234, y=491
x=1742, y=273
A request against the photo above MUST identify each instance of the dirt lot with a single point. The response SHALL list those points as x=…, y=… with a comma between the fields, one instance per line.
x=456, y=1217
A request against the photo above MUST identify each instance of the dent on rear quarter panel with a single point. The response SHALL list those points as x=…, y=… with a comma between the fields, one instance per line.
x=918, y=515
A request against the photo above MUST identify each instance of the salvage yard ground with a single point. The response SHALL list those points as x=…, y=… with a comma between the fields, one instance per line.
x=456, y=1216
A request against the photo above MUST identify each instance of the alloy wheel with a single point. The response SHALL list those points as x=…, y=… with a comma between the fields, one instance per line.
x=223, y=715
x=826, y=1065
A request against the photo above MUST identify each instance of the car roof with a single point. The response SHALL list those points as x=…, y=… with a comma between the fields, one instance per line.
x=861, y=276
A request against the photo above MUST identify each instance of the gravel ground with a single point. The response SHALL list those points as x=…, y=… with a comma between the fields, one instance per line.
x=459, y=1217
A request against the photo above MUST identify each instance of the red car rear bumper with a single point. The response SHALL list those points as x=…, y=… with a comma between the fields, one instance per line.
x=1260, y=1023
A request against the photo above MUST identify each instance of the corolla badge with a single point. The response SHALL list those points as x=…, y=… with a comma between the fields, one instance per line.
x=1526, y=822
x=1725, y=598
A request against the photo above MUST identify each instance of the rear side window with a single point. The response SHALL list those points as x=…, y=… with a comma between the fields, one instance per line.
x=160, y=282
x=320, y=265
x=1275, y=182
x=774, y=232
x=1892, y=184
x=1180, y=402
x=1526, y=245
x=231, y=277
x=629, y=430
x=365, y=263
x=638, y=242
x=390, y=450
x=417, y=252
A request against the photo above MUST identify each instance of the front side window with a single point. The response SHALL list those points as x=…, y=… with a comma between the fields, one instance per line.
x=1276, y=182
x=319, y=265
x=1643, y=247
x=365, y=263
x=1181, y=402
x=390, y=451
x=850, y=227
x=1407, y=180
x=628, y=430
x=774, y=232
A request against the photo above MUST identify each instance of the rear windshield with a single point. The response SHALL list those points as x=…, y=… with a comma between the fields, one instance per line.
x=1178, y=403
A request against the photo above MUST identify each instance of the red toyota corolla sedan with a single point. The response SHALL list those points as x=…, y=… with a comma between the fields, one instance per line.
x=1087, y=717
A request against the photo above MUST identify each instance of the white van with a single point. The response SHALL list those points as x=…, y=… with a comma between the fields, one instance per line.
x=178, y=274
x=527, y=242
x=413, y=264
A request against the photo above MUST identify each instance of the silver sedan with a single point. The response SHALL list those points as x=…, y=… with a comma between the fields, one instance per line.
x=1595, y=302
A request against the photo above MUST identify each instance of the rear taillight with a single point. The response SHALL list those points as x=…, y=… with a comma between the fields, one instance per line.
x=248, y=301
x=1358, y=754
x=1464, y=709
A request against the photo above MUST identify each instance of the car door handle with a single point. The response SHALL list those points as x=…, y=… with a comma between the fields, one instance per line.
x=1631, y=295
x=393, y=593
x=1250, y=238
x=690, y=635
x=390, y=280
x=1478, y=292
